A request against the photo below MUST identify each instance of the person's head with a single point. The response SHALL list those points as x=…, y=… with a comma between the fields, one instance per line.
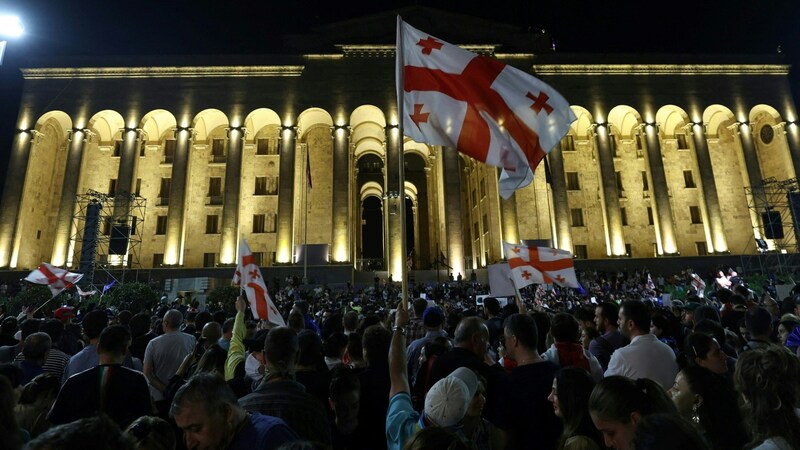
x=419, y=306
x=207, y=411
x=344, y=398
x=433, y=318
x=310, y=345
x=435, y=437
x=172, y=320
x=661, y=326
x=41, y=390
x=227, y=328
x=375, y=345
x=36, y=347
x=447, y=401
x=296, y=320
x=139, y=324
x=212, y=332
x=706, y=312
x=335, y=346
x=9, y=326
x=785, y=328
x=572, y=387
x=475, y=407
x=54, y=328
x=520, y=333
x=767, y=378
x=771, y=305
x=213, y=360
x=492, y=306
x=758, y=322
x=588, y=334
x=114, y=342
x=618, y=404
x=93, y=433
x=565, y=328
x=711, y=328
x=281, y=350
x=350, y=321
x=667, y=432
x=93, y=323
x=472, y=334
x=605, y=317
x=634, y=319
x=151, y=433
x=704, y=351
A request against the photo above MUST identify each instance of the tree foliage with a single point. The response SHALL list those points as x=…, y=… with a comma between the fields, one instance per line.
x=134, y=297
x=225, y=297
x=36, y=296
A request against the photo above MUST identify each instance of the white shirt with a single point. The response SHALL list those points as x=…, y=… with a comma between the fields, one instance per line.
x=645, y=357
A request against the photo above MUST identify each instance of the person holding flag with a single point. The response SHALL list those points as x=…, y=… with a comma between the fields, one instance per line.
x=540, y=265
x=248, y=276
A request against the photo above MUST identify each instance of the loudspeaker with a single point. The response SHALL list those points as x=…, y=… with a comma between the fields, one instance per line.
x=118, y=244
x=773, y=228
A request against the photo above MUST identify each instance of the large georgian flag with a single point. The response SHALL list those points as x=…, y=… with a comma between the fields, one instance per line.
x=56, y=279
x=248, y=274
x=540, y=265
x=490, y=111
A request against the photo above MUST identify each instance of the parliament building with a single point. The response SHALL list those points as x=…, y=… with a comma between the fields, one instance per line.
x=170, y=161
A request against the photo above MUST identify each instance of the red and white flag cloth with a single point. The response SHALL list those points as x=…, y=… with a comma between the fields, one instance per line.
x=248, y=274
x=83, y=293
x=56, y=279
x=540, y=265
x=699, y=285
x=488, y=110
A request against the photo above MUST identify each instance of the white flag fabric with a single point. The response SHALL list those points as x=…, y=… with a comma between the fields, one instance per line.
x=488, y=110
x=56, y=279
x=248, y=274
x=540, y=265
x=500, y=281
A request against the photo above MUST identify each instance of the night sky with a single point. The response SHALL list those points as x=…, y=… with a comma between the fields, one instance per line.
x=58, y=28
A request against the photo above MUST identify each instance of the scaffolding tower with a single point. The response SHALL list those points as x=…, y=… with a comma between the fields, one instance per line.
x=106, y=235
x=775, y=204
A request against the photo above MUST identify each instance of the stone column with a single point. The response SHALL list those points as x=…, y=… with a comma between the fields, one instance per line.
x=750, y=157
x=128, y=160
x=12, y=196
x=174, y=239
x=341, y=185
x=230, y=205
x=66, y=208
x=609, y=192
x=285, y=237
x=394, y=199
x=711, y=200
x=561, y=213
x=454, y=244
x=663, y=211
x=792, y=133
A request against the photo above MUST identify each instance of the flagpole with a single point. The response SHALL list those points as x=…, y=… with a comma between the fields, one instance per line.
x=520, y=302
x=399, y=68
x=51, y=299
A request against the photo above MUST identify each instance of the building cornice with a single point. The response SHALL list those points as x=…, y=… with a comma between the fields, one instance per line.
x=388, y=50
x=161, y=72
x=661, y=69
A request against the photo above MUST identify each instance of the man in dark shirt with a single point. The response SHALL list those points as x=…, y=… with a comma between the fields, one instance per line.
x=375, y=386
x=605, y=317
x=109, y=388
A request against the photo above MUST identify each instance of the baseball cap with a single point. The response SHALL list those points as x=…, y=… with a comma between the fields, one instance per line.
x=433, y=316
x=447, y=401
x=64, y=313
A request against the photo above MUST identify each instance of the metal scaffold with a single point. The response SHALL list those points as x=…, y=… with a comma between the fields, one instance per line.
x=106, y=235
x=775, y=206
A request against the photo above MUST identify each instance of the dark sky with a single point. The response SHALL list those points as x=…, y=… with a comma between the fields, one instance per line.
x=141, y=27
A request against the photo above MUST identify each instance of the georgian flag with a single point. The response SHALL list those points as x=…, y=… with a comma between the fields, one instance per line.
x=248, y=274
x=541, y=265
x=56, y=279
x=490, y=111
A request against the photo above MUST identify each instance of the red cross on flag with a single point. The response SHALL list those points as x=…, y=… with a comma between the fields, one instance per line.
x=490, y=111
x=56, y=279
x=248, y=274
x=541, y=265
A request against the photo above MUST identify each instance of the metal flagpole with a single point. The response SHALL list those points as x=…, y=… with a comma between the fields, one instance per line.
x=399, y=68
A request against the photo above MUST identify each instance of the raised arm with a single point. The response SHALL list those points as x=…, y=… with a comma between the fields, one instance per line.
x=398, y=371
x=236, y=351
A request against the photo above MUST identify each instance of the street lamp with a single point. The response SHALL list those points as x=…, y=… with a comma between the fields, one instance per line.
x=10, y=27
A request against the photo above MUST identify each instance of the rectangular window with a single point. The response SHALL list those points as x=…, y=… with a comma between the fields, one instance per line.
x=474, y=197
x=275, y=147
x=117, y=148
x=624, y=216
x=694, y=213
x=169, y=150
x=215, y=190
x=161, y=225
x=580, y=251
x=138, y=190
x=212, y=224
x=218, y=150
x=262, y=146
x=259, y=223
x=272, y=185
x=683, y=144
x=639, y=142
x=142, y=147
x=261, y=186
x=112, y=187
x=163, y=191
x=483, y=189
x=259, y=258
x=485, y=223
x=620, y=187
x=650, y=220
x=645, y=184
x=577, y=217
x=271, y=222
x=573, y=182
x=568, y=143
x=702, y=248
x=628, y=250
x=158, y=259
x=209, y=259
x=476, y=231
x=688, y=179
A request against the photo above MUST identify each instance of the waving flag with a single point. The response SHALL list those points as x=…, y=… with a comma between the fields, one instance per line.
x=56, y=279
x=83, y=293
x=540, y=265
x=248, y=274
x=699, y=285
x=490, y=111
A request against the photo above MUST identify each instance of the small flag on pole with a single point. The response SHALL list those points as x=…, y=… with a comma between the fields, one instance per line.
x=540, y=265
x=83, y=293
x=108, y=286
x=248, y=274
x=56, y=279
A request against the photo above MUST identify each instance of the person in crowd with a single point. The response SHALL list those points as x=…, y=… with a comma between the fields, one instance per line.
x=280, y=395
x=92, y=433
x=164, y=355
x=11, y=435
x=57, y=360
x=702, y=350
x=786, y=329
x=209, y=414
x=480, y=432
x=93, y=324
x=35, y=349
x=528, y=387
x=141, y=334
x=350, y=322
x=344, y=391
x=662, y=328
x=715, y=330
x=610, y=339
x=416, y=328
x=494, y=321
x=433, y=321
x=709, y=401
x=35, y=402
x=445, y=405
x=645, y=356
x=9, y=352
x=108, y=388
x=335, y=350
x=227, y=333
x=572, y=387
x=8, y=327
x=667, y=432
x=312, y=372
x=767, y=378
x=151, y=433
x=436, y=437
x=567, y=351
x=618, y=404
x=758, y=322
x=69, y=342
x=589, y=334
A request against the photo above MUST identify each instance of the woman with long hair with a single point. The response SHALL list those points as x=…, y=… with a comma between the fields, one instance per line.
x=704, y=351
x=768, y=380
x=710, y=403
x=618, y=404
x=572, y=387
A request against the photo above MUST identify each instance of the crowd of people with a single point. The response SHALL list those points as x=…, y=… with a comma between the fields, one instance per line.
x=609, y=366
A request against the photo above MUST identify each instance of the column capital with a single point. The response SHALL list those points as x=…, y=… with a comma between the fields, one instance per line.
x=242, y=129
x=192, y=132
